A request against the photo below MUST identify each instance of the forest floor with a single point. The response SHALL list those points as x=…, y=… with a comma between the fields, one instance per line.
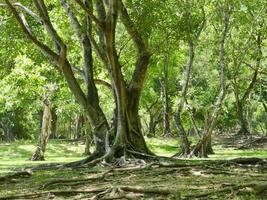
x=234, y=172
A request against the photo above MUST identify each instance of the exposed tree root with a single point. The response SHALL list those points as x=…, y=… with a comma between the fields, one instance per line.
x=150, y=157
x=256, y=187
x=95, y=159
x=120, y=192
x=91, y=160
x=254, y=143
x=79, y=180
x=20, y=174
x=101, y=192
x=53, y=192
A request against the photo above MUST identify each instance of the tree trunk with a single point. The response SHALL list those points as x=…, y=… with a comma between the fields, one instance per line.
x=54, y=124
x=240, y=116
x=88, y=138
x=200, y=148
x=58, y=56
x=209, y=148
x=184, y=142
x=38, y=155
x=78, y=125
x=250, y=115
x=166, y=106
x=241, y=101
x=129, y=135
x=87, y=147
x=264, y=106
x=100, y=129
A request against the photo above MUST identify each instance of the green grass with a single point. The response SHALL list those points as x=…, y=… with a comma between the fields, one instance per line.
x=170, y=146
x=16, y=155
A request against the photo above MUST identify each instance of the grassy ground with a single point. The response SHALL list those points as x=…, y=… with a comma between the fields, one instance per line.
x=188, y=180
x=17, y=154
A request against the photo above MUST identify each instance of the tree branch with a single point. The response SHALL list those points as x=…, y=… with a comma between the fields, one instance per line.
x=24, y=8
x=45, y=49
x=59, y=44
x=90, y=14
x=139, y=74
x=104, y=83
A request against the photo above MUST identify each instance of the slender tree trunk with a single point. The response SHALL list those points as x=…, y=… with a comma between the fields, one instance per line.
x=240, y=113
x=154, y=120
x=200, y=148
x=184, y=142
x=151, y=126
x=54, y=123
x=241, y=101
x=264, y=106
x=166, y=106
x=45, y=133
x=250, y=115
x=78, y=125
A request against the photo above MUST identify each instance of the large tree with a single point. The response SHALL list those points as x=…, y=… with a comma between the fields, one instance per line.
x=57, y=54
x=129, y=137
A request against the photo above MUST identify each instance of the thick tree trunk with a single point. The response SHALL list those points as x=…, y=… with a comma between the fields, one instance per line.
x=45, y=133
x=87, y=146
x=209, y=148
x=100, y=130
x=165, y=96
x=88, y=137
x=129, y=136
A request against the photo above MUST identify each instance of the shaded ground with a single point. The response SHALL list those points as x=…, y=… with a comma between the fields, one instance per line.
x=190, y=178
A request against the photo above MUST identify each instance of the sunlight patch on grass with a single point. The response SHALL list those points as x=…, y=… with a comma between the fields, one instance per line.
x=230, y=153
x=163, y=146
x=17, y=154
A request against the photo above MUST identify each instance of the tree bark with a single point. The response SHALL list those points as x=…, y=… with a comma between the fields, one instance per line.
x=127, y=95
x=38, y=155
x=166, y=101
x=54, y=123
x=240, y=113
x=241, y=101
x=88, y=138
x=200, y=148
x=184, y=142
x=129, y=135
x=191, y=39
x=79, y=122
